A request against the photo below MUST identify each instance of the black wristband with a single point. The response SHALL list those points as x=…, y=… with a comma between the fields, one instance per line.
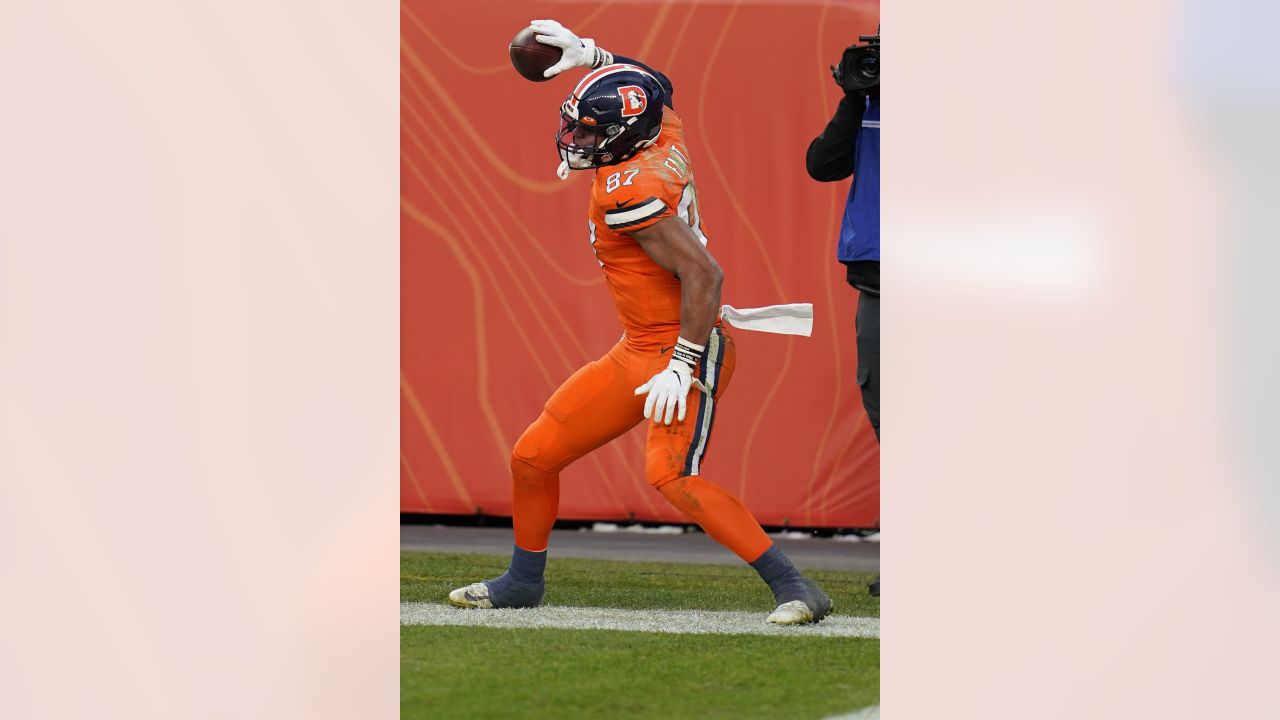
x=688, y=353
x=600, y=58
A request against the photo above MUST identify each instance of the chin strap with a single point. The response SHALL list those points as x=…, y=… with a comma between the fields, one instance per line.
x=563, y=171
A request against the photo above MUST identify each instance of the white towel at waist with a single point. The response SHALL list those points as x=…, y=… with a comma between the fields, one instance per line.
x=790, y=319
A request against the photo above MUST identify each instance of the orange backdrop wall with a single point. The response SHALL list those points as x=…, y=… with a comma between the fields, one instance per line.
x=501, y=296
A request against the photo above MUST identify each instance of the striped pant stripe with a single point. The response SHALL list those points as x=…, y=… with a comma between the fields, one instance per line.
x=709, y=367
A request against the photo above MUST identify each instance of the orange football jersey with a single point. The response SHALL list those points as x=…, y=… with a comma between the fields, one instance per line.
x=654, y=184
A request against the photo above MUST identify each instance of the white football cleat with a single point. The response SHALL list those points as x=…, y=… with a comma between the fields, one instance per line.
x=475, y=595
x=815, y=605
x=791, y=613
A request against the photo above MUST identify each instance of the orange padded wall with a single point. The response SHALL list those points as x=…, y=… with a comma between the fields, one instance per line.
x=501, y=296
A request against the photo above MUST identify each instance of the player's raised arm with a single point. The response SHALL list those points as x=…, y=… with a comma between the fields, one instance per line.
x=583, y=52
x=673, y=246
x=575, y=51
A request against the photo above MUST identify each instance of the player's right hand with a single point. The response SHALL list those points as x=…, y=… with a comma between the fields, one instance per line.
x=575, y=51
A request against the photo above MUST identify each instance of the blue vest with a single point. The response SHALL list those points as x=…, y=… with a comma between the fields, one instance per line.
x=860, y=229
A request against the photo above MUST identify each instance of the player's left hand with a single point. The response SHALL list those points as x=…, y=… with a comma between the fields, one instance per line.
x=575, y=51
x=668, y=392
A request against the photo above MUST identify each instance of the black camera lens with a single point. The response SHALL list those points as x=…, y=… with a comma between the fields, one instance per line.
x=859, y=68
x=870, y=65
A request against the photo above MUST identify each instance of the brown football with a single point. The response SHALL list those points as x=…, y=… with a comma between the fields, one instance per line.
x=530, y=57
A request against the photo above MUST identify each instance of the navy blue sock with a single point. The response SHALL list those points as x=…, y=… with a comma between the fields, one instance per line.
x=521, y=585
x=783, y=578
x=527, y=566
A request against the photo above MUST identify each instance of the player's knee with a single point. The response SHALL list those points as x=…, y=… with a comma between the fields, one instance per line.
x=524, y=471
x=536, y=454
x=661, y=470
x=528, y=456
x=679, y=492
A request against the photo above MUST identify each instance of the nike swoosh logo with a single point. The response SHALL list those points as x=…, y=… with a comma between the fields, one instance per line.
x=621, y=205
x=665, y=349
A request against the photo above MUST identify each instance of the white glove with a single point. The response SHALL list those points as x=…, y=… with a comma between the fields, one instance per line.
x=574, y=51
x=668, y=391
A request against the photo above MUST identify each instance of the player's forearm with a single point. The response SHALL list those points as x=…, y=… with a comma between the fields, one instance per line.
x=699, y=302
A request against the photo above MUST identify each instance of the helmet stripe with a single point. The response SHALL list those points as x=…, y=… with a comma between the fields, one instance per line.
x=605, y=71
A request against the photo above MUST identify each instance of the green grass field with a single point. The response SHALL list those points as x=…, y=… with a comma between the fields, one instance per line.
x=450, y=672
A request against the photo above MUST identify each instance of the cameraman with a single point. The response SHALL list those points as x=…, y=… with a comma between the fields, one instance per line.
x=850, y=145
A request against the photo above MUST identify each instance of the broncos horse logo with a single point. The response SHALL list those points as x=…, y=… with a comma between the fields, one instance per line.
x=634, y=101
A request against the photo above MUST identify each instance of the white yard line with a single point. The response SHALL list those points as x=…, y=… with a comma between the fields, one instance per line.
x=866, y=713
x=697, y=622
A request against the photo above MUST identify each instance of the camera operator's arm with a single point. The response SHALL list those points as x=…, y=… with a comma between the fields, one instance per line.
x=830, y=155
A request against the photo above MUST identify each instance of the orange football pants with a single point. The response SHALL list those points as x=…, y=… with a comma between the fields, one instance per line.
x=597, y=404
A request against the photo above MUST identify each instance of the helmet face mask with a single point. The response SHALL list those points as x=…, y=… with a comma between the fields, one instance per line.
x=609, y=119
x=582, y=146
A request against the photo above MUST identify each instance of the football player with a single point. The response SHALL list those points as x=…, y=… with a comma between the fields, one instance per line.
x=675, y=360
